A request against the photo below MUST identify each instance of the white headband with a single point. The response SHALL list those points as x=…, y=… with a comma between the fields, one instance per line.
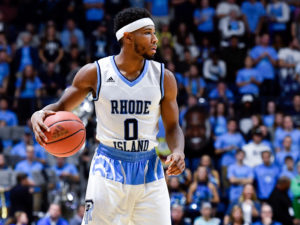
x=133, y=27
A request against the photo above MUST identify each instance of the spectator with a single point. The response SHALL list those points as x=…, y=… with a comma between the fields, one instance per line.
x=205, y=50
x=34, y=40
x=65, y=171
x=248, y=203
x=20, y=218
x=204, y=20
x=99, y=42
x=206, y=218
x=21, y=197
x=218, y=120
x=53, y=216
x=288, y=129
x=20, y=148
x=288, y=59
x=278, y=13
x=51, y=50
x=295, y=111
x=249, y=79
x=177, y=194
x=266, y=216
x=194, y=83
x=265, y=59
x=231, y=26
x=281, y=203
x=77, y=219
x=70, y=31
x=27, y=93
x=197, y=143
x=188, y=45
x=94, y=13
x=254, y=12
x=296, y=192
x=212, y=173
x=221, y=93
x=4, y=45
x=52, y=82
x=286, y=151
x=254, y=149
x=159, y=10
x=180, y=37
x=29, y=165
x=266, y=176
x=214, y=70
x=165, y=33
x=26, y=54
x=202, y=190
x=269, y=117
x=238, y=175
x=7, y=117
x=177, y=216
x=4, y=72
x=295, y=28
x=224, y=8
x=236, y=216
x=234, y=58
x=226, y=145
x=288, y=169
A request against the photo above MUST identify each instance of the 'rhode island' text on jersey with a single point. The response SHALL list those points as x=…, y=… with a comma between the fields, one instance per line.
x=128, y=111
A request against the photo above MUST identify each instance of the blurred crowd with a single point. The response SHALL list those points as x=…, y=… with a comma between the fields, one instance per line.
x=237, y=66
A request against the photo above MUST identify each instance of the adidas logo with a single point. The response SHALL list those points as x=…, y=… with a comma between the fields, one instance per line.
x=110, y=80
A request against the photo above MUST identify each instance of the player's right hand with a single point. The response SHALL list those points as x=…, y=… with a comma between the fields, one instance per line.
x=38, y=126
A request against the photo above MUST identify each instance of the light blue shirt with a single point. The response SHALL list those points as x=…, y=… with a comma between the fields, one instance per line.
x=253, y=13
x=159, y=7
x=266, y=178
x=280, y=157
x=20, y=150
x=27, y=167
x=268, y=120
x=208, y=24
x=30, y=87
x=227, y=140
x=238, y=171
x=94, y=14
x=66, y=36
x=202, y=221
x=218, y=124
x=245, y=75
x=214, y=94
x=280, y=134
x=264, y=65
x=9, y=117
x=4, y=71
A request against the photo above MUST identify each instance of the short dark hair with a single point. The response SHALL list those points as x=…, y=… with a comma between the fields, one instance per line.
x=128, y=16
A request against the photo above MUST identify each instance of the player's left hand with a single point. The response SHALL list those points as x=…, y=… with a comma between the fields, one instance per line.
x=176, y=164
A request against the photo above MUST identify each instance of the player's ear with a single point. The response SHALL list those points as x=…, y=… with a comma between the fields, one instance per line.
x=128, y=38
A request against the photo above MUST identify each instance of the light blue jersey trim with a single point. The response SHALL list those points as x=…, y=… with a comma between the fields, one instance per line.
x=98, y=81
x=124, y=79
x=130, y=168
x=162, y=77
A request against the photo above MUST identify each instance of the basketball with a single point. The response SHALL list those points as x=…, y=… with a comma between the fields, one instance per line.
x=66, y=135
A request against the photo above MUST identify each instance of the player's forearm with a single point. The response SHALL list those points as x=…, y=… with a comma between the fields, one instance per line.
x=175, y=139
x=55, y=107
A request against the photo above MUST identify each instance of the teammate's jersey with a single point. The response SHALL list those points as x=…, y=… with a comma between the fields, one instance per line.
x=128, y=111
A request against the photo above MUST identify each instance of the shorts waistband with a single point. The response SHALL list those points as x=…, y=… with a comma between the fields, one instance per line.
x=126, y=156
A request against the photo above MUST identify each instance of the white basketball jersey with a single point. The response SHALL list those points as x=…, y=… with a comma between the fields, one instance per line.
x=128, y=111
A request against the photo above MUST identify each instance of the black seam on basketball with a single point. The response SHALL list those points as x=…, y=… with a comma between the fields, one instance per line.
x=64, y=121
x=64, y=137
x=72, y=149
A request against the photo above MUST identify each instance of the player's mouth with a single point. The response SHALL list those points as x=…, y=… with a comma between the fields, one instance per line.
x=153, y=49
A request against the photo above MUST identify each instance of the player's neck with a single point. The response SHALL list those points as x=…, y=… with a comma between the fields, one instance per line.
x=136, y=62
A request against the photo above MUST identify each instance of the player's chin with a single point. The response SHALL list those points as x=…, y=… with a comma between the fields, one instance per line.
x=149, y=55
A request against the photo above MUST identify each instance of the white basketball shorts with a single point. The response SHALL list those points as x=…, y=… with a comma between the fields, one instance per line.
x=126, y=188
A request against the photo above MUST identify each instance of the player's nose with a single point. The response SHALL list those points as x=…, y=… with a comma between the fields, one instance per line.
x=154, y=39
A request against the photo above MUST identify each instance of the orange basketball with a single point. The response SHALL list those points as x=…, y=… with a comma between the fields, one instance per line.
x=66, y=135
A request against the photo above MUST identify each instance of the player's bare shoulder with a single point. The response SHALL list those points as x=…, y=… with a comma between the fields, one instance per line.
x=86, y=77
x=170, y=85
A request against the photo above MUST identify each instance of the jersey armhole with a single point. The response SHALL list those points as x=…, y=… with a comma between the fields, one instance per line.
x=162, y=76
x=98, y=81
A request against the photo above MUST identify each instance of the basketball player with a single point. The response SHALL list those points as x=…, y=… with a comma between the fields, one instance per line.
x=126, y=182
